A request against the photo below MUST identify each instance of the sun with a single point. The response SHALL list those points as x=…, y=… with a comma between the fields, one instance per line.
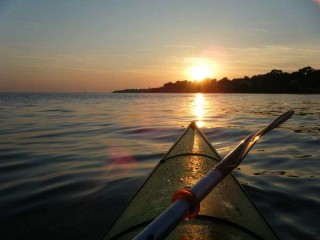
x=200, y=72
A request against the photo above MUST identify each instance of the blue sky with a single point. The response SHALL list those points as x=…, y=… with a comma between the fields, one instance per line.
x=104, y=45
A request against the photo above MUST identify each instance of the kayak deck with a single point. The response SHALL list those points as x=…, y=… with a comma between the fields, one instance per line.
x=226, y=213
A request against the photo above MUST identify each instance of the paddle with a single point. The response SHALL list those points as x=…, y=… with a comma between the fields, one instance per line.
x=186, y=202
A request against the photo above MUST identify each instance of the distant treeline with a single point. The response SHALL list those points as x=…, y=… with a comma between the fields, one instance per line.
x=305, y=80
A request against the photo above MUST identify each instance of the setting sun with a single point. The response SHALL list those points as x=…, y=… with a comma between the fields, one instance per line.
x=199, y=73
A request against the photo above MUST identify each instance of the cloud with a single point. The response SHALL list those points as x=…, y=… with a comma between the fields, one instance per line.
x=179, y=46
x=23, y=22
x=256, y=60
x=263, y=30
x=275, y=52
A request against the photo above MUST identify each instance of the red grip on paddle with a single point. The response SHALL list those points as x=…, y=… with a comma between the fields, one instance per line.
x=191, y=199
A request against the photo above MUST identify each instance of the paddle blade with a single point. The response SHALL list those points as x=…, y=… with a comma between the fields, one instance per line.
x=235, y=157
x=276, y=123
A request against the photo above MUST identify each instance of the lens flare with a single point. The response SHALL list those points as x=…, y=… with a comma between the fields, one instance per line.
x=119, y=163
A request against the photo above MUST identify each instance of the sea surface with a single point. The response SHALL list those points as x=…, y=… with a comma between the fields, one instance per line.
x=69, y=163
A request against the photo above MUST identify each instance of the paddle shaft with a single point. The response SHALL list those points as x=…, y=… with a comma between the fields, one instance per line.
x=160, y=227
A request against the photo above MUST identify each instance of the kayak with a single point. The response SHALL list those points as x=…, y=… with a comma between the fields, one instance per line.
x=226, y=213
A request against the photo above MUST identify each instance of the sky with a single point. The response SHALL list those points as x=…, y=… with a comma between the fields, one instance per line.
x=106, y=45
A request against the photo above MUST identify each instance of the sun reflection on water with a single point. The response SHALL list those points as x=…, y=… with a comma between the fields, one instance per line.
x=199, y=110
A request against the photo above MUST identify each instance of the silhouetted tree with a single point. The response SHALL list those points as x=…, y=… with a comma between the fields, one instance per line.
x=305, y=80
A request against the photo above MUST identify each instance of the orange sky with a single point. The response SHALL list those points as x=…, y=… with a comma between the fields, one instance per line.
x=108, y=45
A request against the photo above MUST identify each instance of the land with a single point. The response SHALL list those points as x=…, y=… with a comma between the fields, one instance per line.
x=305, y=80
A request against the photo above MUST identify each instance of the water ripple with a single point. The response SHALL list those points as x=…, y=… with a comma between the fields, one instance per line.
x=69, y=163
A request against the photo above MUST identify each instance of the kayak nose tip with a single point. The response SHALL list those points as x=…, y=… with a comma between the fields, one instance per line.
x=193, y=124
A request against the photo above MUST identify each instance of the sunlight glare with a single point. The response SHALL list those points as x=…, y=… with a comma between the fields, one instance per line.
x=200, y=72
x=199, y=109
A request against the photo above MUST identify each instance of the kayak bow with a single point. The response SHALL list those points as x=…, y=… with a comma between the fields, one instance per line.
x=226, y=213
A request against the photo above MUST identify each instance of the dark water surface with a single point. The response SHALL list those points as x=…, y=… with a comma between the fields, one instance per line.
x=70, y=162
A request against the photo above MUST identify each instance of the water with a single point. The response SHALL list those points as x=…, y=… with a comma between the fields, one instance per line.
x=70, y=162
